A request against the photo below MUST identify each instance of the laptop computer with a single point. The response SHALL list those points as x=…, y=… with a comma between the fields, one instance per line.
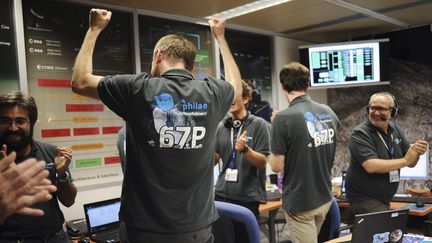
x=385, y=226
x=102, y=218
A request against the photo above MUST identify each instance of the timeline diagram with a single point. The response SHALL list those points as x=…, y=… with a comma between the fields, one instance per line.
x=53, y=36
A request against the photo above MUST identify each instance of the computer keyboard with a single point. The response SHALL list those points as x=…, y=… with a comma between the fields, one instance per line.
x=77, y=227
x=107, y=237
x=411, y=199
x=342, y=199
x=273, y=195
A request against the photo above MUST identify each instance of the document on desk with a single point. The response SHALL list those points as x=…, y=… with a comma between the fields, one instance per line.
x=413, y=238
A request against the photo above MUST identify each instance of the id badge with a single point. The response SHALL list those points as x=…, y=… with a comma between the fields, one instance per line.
x=394, y=176
x=231, y=175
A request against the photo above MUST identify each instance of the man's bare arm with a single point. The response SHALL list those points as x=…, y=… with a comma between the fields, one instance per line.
x=83, y=80
x=232, y=72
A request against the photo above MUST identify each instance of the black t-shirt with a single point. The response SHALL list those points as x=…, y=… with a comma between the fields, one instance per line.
x=364, y=144
x=170, y=140
x=305, y=133
x=19, y=226
x=250, y=186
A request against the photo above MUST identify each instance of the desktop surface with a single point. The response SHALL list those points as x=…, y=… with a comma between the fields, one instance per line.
x=409, y=238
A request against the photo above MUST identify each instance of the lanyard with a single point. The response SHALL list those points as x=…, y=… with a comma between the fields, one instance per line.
x=391, y=150
x=234, y=152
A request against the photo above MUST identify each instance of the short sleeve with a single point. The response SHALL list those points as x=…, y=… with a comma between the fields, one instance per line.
x=278, y=136
x=218, y=136
x=362, y=147
x=262, y=138
x=122, y=92
x=223, y=92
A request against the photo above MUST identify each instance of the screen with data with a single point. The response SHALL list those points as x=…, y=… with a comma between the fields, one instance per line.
x=344, y=64
x=151, y=29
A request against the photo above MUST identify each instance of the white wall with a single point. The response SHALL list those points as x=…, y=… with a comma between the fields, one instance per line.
x=285, y=50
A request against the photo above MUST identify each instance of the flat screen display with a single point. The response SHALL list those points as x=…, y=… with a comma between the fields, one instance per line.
x=8, y=62
x=346, y=64
x=420, y=171
x=151, y=29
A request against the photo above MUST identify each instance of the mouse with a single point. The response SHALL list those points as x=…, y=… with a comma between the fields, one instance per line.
x=419, y=203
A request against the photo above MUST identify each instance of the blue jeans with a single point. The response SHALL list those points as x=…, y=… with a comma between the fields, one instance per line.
x=57, y=237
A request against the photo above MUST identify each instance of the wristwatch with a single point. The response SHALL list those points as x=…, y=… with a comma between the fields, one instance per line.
x=245, y=149
x=66, y=178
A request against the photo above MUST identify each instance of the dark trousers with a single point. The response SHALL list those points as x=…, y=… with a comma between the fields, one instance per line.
x=368, y=205
x=135, y=235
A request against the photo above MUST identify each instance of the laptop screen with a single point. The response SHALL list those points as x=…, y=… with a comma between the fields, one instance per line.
x=385, y=226
x=102, y=215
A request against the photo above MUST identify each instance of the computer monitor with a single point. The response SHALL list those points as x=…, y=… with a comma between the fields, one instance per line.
x=420, y=171
x=346, y=64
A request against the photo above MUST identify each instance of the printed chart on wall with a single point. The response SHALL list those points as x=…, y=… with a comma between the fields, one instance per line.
x=151, y=29
x=8, y=62
x=54, y=32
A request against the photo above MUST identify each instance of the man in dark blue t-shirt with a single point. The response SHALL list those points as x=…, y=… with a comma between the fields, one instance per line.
x=171, y=123
x=303, y=144
x=18, y=115
x=378, y=150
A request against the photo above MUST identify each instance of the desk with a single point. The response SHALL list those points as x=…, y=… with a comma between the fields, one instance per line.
x=271, y=207
x=340, y=239
x=397, y=205
x=348, y=238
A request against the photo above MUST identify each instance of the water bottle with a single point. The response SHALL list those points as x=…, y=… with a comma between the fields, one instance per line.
x=279, y=182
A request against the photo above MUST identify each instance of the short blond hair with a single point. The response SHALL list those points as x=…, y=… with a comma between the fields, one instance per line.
x=176, y=48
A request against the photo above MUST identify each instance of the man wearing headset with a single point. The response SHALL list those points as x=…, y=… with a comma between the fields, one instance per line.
x=378, y=150
x=242, y=144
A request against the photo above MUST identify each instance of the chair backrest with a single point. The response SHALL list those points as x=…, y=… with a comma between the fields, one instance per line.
x=240, y=214
x=329, y=229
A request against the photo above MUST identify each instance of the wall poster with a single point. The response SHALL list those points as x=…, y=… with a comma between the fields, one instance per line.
x=54, y=32
x=8, y=62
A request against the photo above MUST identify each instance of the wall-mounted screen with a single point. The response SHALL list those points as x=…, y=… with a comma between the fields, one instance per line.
x=346, y=64
x=151, y=29
x=420, y=171
x=8, y=60
x=252, y=53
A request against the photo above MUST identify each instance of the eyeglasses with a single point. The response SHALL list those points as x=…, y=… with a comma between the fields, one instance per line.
x=379, y=109
x=19, y=122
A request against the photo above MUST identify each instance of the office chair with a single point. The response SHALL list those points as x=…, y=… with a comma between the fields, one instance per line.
x=426, y=228
x=232, y=212
x=331, y=227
